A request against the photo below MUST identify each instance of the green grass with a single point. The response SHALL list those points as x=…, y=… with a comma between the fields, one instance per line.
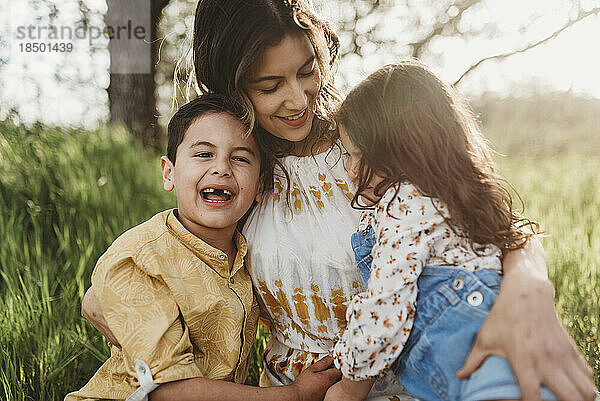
x=562, y=193
x=550, y=151
x=65, y=195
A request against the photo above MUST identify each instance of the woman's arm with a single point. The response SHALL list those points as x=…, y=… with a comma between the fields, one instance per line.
x=523, y=328
x=91, y=311
x=312, y=384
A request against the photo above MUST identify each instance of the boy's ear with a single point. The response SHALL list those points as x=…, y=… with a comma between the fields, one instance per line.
x=261, y=188
x=168, y=172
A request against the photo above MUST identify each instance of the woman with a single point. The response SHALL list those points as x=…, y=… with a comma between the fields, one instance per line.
x=276, y=57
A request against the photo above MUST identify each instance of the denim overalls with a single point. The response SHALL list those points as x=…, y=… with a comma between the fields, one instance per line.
x=452, y=303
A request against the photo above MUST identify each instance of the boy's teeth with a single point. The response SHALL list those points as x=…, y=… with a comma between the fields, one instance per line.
x=216, y=195
x=295, y=117
x=212, y=190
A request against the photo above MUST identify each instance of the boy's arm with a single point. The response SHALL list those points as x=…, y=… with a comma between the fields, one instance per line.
x=145, y=320
x=310, y=385
x=92, y=312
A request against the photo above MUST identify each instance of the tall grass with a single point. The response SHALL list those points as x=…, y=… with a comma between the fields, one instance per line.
x=549, y=149
x=65, y=195
x=563, y=194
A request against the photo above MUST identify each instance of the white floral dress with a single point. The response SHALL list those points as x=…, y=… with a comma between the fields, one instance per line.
x=302, y=265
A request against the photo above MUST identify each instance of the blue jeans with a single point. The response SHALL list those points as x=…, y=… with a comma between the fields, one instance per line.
x=362, y=244
x=452, y=304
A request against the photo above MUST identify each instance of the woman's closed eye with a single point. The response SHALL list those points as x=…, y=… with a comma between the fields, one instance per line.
x=241, y=159
x=304, y=74
x=271, y=89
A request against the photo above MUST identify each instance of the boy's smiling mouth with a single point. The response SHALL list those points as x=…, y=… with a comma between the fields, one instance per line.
x=217, y=195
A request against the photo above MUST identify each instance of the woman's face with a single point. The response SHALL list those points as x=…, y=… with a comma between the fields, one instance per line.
x=283, y=85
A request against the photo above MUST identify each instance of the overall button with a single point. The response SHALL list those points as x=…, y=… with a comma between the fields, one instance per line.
x=222, y=257
x=458, y=283
x=475, y=298
x=231, y=280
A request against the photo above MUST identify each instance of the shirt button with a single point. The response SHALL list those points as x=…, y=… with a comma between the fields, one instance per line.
x=222, y=257
x=475, y=298
x=231, y=280
x=458, y=283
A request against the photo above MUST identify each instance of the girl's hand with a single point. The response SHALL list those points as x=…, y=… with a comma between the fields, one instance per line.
x=523, y=328
x=90, y=310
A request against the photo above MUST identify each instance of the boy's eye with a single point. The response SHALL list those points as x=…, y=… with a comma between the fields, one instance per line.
x=241, y=159
x=203, y=154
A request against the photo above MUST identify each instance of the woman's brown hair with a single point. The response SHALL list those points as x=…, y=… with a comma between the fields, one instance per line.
x=229, y=37
x=412, y=127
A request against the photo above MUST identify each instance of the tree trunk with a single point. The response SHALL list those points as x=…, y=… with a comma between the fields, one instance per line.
x=131, y=93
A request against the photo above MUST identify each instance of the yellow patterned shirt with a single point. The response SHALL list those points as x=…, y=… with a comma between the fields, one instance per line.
x=172, y=302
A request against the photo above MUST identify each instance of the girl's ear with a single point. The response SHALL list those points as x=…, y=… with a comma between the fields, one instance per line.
x=261, y=188
x=168, y=172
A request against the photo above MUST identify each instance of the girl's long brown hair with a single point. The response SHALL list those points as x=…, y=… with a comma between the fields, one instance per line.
x=412, y=127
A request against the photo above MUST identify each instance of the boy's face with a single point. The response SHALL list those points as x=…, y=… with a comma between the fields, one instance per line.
x=216, y=174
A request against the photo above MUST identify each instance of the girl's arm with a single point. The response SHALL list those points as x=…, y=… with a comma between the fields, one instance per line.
x=312, y=384
x=381, y=318
x=523, y=328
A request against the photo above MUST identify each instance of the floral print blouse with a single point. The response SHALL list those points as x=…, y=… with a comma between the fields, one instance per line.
x=413, y=234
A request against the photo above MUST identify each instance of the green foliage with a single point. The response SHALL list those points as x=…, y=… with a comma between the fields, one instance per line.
x=562, y=193
x=65, y=195
x=553, y=148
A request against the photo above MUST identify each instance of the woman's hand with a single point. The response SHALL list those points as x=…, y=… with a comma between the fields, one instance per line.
x=523, y=328
x=313, y=382
x=91, y=311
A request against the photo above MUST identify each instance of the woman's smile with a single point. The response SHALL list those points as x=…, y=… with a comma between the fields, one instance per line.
x=283, y=85
x=296, y=120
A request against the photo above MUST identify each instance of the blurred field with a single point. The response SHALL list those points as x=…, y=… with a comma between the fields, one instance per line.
x=550, y=151
x=65, y=195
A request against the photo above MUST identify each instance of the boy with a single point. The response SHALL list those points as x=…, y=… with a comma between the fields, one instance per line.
x=174, y=290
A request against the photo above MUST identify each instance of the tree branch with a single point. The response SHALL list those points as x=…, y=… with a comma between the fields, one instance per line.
x=440, y=26
x=580, y=17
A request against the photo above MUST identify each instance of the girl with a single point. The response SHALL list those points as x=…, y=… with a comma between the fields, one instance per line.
x=440, y=222
x=277, y=58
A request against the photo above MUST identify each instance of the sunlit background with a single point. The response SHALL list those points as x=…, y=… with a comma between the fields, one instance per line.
x=72, y=184
x=70, y=89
